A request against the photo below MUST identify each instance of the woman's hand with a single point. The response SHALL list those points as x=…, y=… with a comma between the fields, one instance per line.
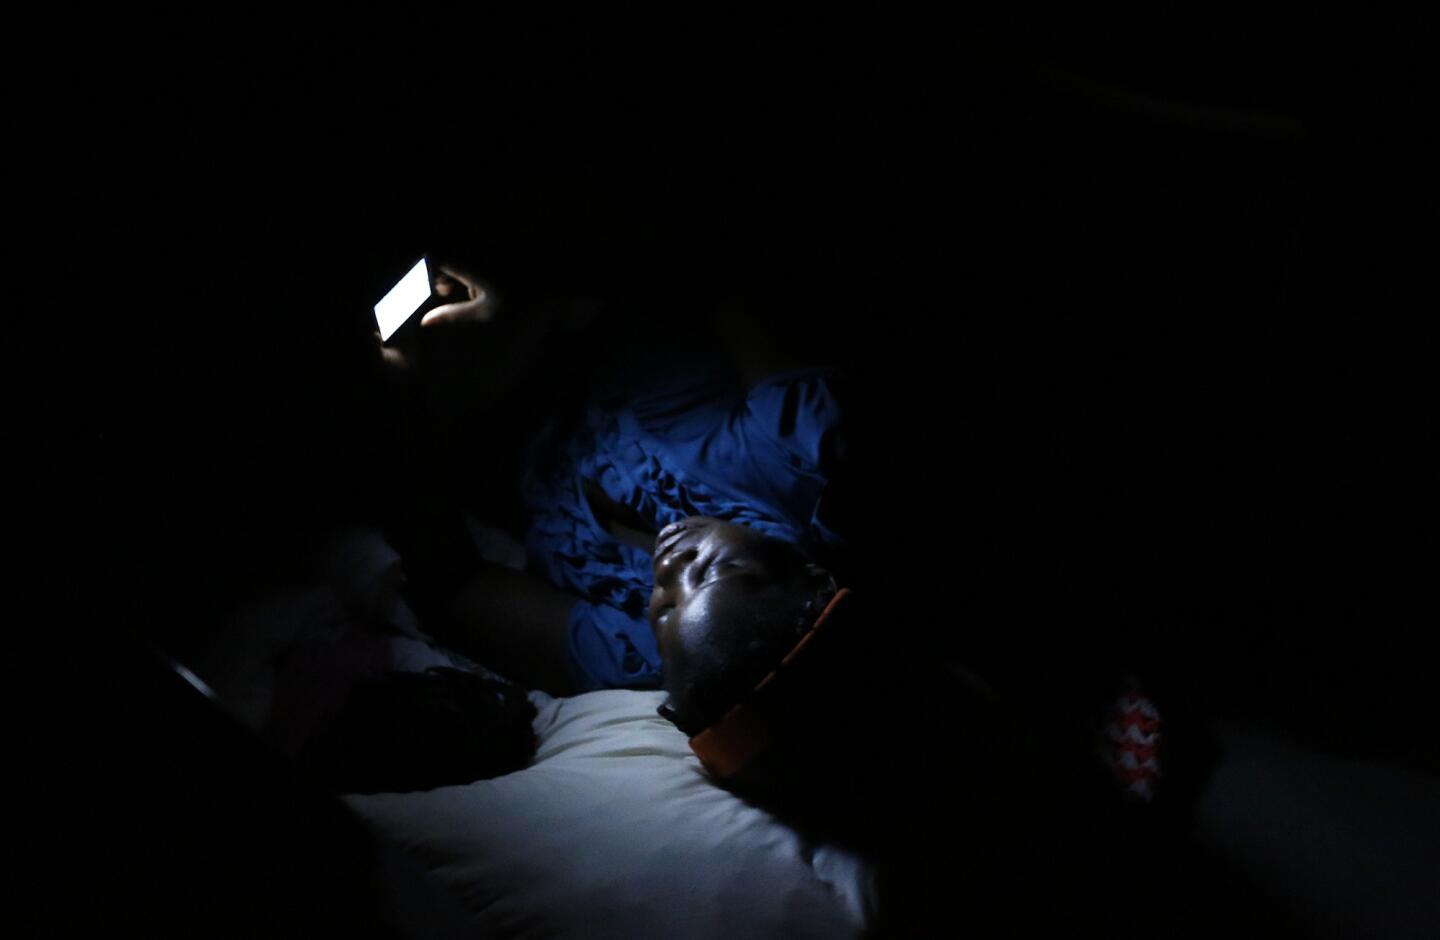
x=434, y=375
x=472, y=353
x=435, y=361
x=474, y=303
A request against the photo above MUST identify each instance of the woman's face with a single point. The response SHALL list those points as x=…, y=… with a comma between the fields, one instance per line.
x=718, y=587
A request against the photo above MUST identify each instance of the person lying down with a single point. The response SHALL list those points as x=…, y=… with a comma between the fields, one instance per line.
x=384, y=711
x=680, y=535
x=771, y=669
x=695, y=493
x=682, y=529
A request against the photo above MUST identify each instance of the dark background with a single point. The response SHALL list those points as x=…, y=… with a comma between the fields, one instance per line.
x=1129, y=313
x=1128, y=308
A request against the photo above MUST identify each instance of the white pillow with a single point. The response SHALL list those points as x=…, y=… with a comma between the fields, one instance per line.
x=615, y=831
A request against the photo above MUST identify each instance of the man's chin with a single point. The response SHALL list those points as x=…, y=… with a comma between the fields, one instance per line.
x=679, y=717
x=667, y=711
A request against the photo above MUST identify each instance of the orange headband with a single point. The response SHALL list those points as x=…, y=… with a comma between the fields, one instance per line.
x=747, y=730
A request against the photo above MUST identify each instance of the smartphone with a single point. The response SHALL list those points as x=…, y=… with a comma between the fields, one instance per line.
x=413, y=294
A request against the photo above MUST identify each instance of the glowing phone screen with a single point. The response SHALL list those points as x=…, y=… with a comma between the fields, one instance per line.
x=403, y=300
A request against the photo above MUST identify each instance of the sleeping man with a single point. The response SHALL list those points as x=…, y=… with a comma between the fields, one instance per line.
x=795, y=700
x=671, y=422
x=728, y=605
x=667, y=426
x=680, y=532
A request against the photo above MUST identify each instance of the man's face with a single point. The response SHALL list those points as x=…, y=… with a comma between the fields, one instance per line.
x=716, y=586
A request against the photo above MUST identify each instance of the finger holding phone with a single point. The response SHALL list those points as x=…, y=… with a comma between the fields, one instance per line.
x=473, y=303
x=424, y=406
x=428, y=295
x=452, y=314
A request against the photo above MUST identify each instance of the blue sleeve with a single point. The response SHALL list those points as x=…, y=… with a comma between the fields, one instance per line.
x=795, y=424
x=799, y=413
x=609, y=649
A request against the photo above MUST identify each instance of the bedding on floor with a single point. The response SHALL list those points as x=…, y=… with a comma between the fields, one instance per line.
x=613, y=830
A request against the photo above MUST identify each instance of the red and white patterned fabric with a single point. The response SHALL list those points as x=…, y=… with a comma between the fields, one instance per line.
x=1130, y=743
